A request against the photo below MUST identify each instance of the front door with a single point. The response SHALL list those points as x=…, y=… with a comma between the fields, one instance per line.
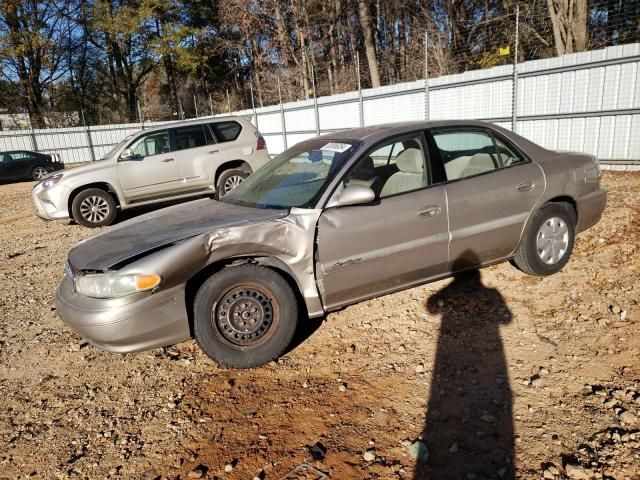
x=152, y=170
x=398, y=241
x=491, y=189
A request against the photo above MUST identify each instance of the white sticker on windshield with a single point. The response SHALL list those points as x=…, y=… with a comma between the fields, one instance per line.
x=337, y=147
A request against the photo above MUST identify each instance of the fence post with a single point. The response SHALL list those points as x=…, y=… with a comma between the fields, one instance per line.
x=228, y=102
x=315, y=100
x=360, y=102
x=93, y=153
x=514, y=101
x=253, y=105
x=34, y=140
x=283, y=123
x=427, y=113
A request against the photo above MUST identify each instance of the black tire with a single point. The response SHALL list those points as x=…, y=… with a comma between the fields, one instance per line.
x=39, y=172
x=257, y=288
x=105, y=208
x=228, y=177
x=528, y=256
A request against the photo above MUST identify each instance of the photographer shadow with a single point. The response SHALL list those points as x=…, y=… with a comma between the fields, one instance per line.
x=469, y=426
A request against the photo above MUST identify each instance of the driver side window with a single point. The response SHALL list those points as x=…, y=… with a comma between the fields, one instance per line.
x=395, y=167
x=154, y=143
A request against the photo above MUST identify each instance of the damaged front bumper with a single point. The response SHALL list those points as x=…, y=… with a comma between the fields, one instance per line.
x=128, y=324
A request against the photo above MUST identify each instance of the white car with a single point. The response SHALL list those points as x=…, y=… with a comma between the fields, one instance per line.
x=182, y=160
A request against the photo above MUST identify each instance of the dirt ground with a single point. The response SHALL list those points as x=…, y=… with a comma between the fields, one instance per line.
x=503, y=376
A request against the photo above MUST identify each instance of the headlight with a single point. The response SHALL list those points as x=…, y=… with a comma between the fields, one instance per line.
x=112, y=285
x=51, y=181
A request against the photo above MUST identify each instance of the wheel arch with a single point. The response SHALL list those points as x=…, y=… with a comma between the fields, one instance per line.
x=195, y=282
x=561, y=199
x=240, y=164
x=567, y=200
x=107, y=187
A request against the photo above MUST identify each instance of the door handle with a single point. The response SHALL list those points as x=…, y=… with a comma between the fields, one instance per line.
x=213, y=151
x=168, y=160
x=429, y=211
x=525, y=186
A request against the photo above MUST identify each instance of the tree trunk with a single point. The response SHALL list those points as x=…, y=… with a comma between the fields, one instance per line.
x=365, y=22
x=569, y=20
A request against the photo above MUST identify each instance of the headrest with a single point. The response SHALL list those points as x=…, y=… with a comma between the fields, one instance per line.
x=365, y=170
x=410, y=161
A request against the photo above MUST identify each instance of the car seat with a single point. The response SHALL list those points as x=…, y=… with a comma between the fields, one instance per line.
x=411, y=175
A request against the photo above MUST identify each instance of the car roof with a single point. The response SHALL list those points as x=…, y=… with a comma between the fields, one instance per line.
x=199, y=121
x=374, y=133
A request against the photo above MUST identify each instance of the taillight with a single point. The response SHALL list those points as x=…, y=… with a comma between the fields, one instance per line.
x=262, y=145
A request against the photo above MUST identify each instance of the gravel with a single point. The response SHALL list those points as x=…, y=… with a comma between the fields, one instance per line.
x=168, y=412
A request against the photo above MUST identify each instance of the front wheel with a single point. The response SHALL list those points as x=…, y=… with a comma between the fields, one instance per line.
x=93, y=208
x=547, y=242
x=245, y=316
x=228, y=180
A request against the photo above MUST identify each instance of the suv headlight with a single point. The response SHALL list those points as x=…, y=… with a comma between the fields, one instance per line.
x=112, y=285
x=51, y=181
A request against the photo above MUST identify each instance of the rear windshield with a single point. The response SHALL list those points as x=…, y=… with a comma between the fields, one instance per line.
x=226, y=131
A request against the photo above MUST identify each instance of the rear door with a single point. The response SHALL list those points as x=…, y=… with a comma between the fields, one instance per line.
x=397, y=241
x=491, y=189
x=152, y=170
x=196, y=154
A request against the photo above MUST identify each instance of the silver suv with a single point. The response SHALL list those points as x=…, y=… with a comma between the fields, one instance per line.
x=186, y=159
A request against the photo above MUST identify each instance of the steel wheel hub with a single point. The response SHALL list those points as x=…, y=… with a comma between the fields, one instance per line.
x=232, y=182
x=552, y=240
x=244, y=315
x=94, y=209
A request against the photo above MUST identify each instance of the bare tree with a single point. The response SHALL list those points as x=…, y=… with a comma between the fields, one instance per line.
x=569, y=20
x=365, y=21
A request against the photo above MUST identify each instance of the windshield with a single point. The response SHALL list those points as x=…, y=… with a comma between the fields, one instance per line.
x=114, y=149
x=295, y=178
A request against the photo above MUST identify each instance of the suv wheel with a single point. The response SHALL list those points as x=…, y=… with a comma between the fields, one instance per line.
x=229, y=179
x=244, y=316
x=93, y=208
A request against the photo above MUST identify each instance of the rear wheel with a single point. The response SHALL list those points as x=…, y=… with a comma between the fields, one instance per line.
x=245, y=316
x=38, y=173
x=93, y=208
x=547, y=241
x=229, y=179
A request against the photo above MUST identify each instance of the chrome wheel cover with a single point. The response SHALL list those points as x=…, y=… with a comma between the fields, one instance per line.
x=552, y=240
x=39, y=173
x=94, y=209
x=232, y=182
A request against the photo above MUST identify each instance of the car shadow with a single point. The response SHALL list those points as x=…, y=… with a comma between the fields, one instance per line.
x=468, y=428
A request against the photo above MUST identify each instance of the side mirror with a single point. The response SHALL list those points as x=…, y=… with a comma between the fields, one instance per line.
x=353, y=195
x=127, y=154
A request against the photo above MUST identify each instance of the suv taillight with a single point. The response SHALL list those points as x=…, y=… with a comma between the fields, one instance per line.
x=262, y=145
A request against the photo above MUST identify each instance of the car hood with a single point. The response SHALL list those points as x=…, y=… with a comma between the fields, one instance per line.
x=163, y=227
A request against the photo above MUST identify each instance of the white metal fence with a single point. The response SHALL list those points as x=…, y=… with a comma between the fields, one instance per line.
x=587, y=101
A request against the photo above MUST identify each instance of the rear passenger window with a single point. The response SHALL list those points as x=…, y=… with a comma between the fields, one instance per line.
x=226, y=131
x=15, y=156
x=473, y=152
x=466, y=153
x=192, y=137
x=508, y=155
